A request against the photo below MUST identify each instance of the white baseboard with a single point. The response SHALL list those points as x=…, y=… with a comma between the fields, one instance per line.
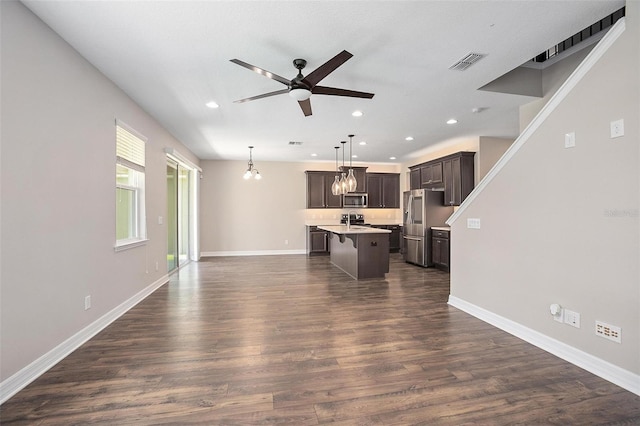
x=250, y=253
x=28, y=374
x=601, y=368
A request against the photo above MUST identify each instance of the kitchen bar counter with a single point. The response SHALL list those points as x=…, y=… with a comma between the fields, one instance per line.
x=359, y=251
x=353, y=229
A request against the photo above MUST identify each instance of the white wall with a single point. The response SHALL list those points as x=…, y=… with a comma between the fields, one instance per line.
x=58, y=194
x=552, y=78
x=562, y=225
x=489, y=152
x=256, y=217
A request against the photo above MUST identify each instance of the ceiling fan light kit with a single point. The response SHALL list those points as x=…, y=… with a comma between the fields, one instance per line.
x=300, y=94
x=302, y=87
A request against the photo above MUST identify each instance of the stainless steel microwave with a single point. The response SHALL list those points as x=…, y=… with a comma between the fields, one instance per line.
x=355, y=199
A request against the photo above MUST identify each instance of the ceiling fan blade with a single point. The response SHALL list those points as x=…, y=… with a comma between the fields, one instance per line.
x=306, y=107
x=264, y=95
x=261, y=71
x=322, y=90
x=327, y=68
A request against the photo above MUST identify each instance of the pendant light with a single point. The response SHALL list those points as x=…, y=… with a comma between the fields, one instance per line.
x=335, y=187
x=344, y=186
x=352, y=183
x=251, y=172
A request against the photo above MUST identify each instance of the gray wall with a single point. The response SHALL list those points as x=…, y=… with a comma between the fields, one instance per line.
x=561, y=225
x=58, y=193
x=251, y=217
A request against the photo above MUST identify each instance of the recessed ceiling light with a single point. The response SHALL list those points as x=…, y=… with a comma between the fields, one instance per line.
x=212, y=104
x=392, y=158
x=408, y=138
x=314, y=155
x=357, y=113
x=363, y=143
x=452, y=121
x=354, y=156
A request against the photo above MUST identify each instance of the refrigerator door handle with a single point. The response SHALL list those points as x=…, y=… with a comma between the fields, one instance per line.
x=410, y=209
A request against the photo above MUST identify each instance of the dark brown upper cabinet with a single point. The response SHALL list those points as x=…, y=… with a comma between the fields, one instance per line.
x=458, y=173
x=384, y=190
x=414, y=178
x=431, y=175
x=319, y=195
x=453, y=173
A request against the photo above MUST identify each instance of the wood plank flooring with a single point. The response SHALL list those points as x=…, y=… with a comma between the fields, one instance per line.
x=293, y=340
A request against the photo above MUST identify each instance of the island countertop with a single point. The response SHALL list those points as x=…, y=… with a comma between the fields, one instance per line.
x=353, y=229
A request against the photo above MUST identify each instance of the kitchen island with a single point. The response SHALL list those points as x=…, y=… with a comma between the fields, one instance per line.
x=360, y=251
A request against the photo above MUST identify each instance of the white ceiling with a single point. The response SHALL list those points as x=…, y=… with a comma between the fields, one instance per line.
x=172, y=57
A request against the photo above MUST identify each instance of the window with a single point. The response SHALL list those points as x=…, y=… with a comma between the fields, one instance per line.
x=130, y=204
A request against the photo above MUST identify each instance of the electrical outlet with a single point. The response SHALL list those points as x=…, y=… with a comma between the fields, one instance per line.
x=286, y=242
x=87, y=302
x=570, y=140
x=572, y=318
x=610, y=332
x=617, y=128
x=157, y=266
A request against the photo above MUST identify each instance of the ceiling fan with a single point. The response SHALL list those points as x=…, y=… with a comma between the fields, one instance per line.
x=301, y=87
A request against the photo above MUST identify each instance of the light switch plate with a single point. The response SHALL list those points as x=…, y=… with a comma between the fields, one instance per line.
x=473, y=223
x=617, y=128
x=570, y=140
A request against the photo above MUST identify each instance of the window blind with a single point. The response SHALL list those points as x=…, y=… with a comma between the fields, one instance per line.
x=130, y=148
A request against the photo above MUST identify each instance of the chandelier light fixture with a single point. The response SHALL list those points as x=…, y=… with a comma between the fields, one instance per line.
x=251, y=172
x=352, y=183
x=335, y=187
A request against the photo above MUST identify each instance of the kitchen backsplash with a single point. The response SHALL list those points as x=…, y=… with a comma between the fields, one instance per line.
x=374, y=216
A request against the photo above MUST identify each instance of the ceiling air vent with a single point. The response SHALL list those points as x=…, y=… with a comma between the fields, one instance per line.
x=295, y=143
x=466, y=62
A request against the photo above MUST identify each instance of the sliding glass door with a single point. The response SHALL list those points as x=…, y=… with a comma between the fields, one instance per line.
x=172, y=215
x=184, y=214
x=180, y=214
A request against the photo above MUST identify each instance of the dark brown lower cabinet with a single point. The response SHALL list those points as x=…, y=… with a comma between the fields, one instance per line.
x=395, y=237
x=317, y=241
x=440, y=249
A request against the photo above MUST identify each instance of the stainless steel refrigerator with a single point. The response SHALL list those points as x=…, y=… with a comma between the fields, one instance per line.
x=422, y=209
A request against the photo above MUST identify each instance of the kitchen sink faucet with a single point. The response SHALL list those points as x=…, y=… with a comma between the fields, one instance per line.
x=349, y=218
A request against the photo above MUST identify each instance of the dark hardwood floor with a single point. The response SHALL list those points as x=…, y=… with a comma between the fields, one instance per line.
x=292, y=340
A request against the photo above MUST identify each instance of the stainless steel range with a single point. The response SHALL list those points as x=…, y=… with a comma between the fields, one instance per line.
x=353, y=218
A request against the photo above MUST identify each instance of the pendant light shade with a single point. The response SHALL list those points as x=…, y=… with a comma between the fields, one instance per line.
x=335, y=187
x=251, y=172
x=344, y=186
x=352, y=183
